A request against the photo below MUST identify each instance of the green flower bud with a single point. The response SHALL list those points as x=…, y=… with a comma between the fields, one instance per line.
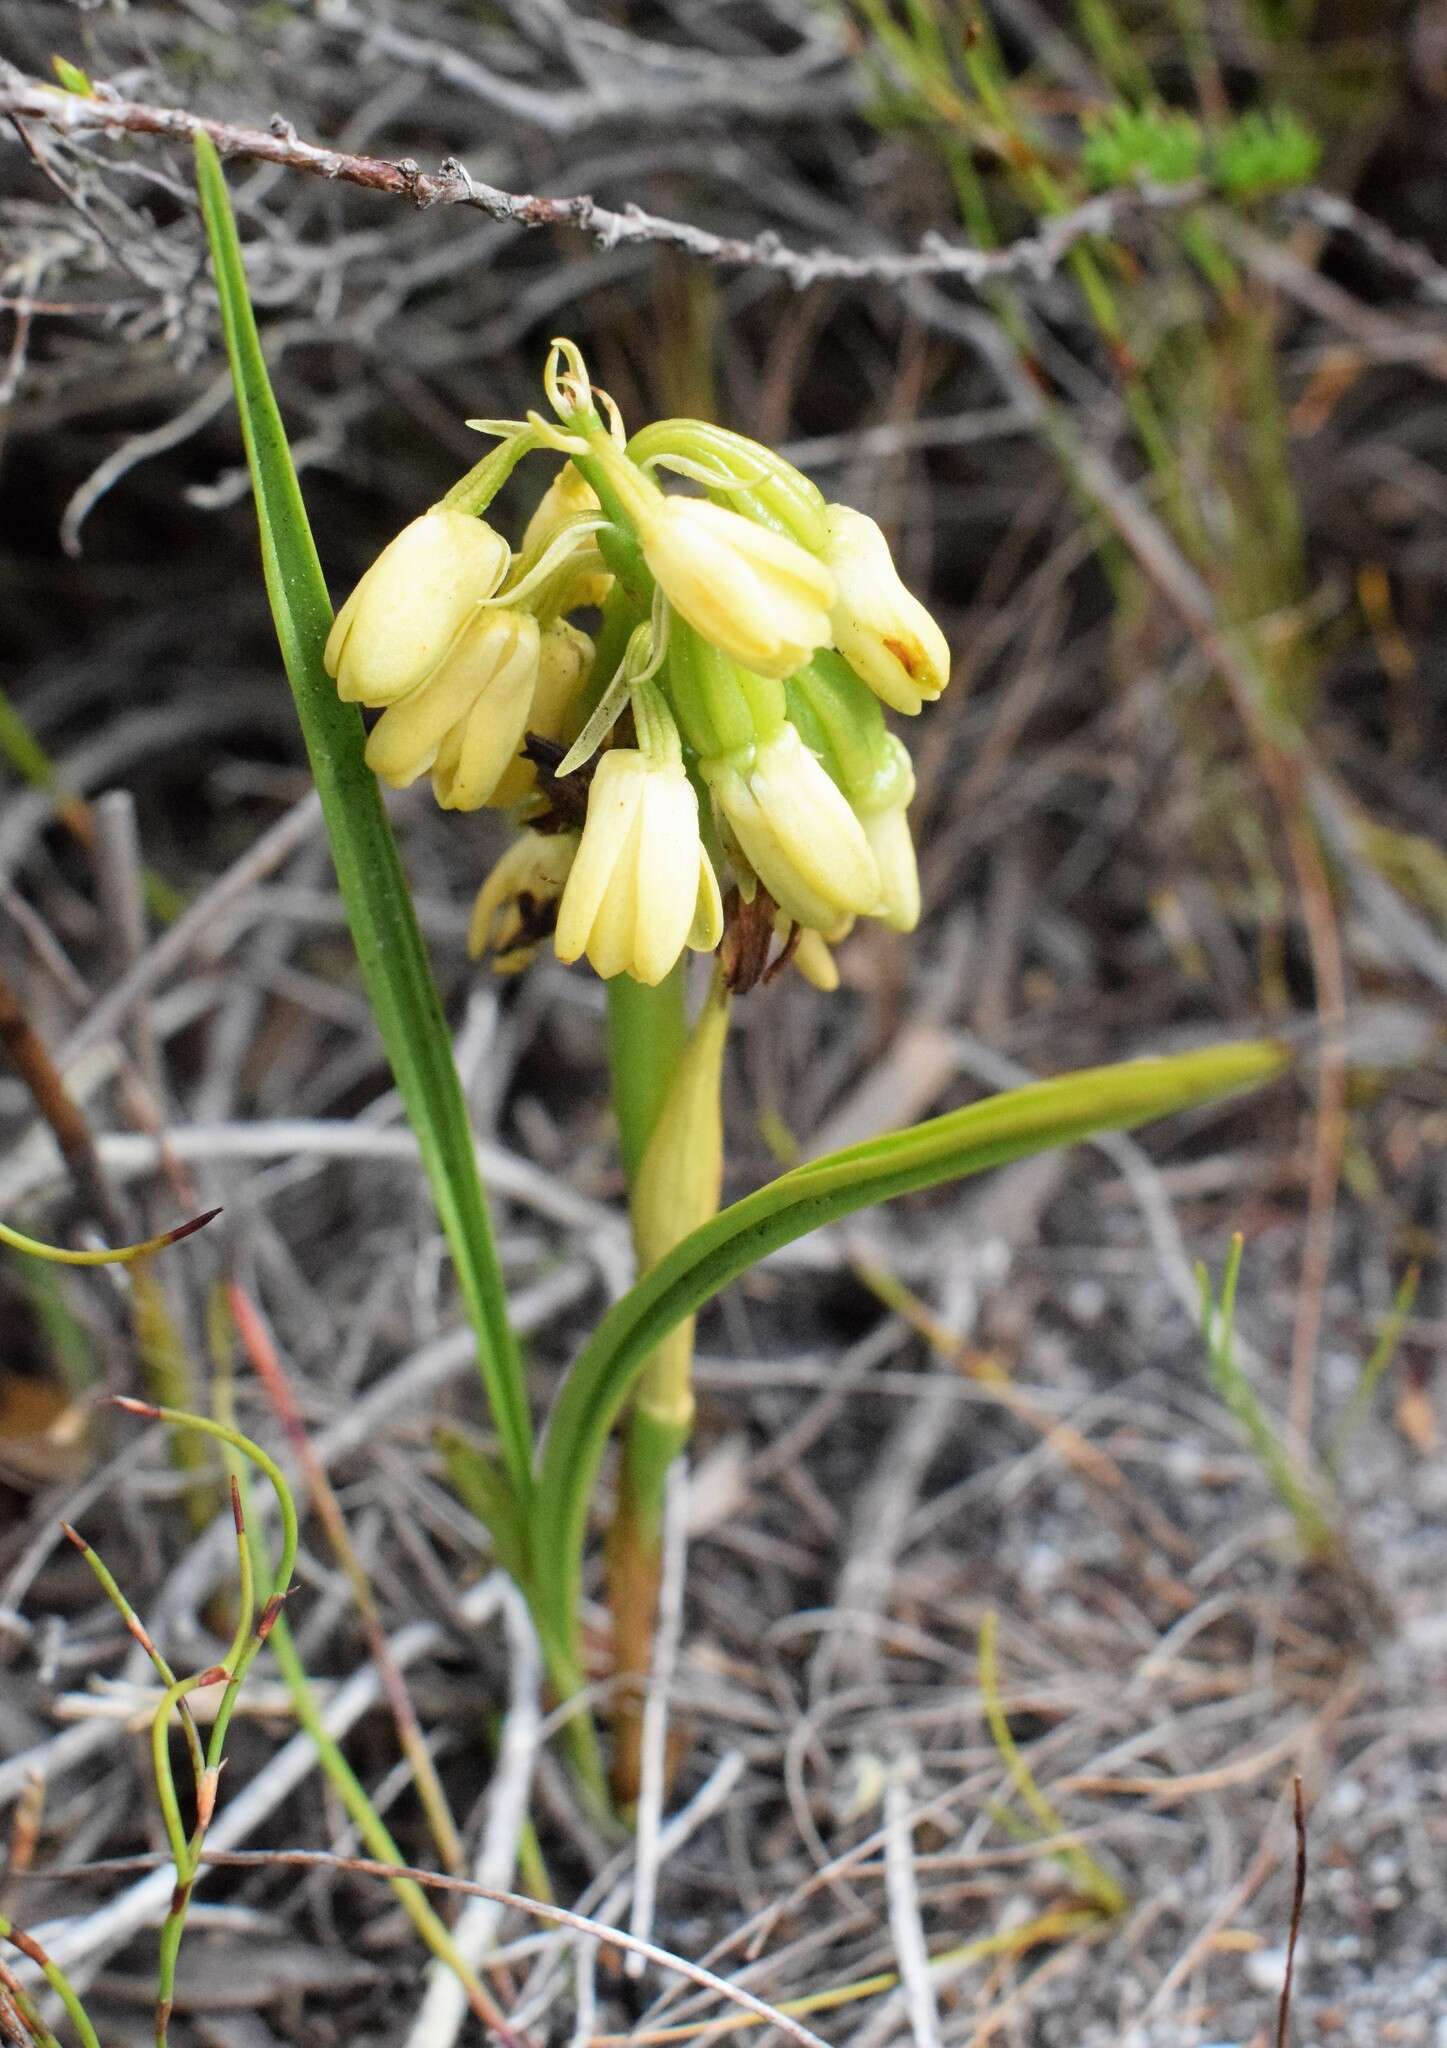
x=720, y=706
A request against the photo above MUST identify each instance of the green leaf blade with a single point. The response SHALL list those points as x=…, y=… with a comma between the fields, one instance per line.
x=964, y=1142
x=395, y=968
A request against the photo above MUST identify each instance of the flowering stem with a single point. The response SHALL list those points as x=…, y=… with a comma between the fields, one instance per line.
x=646, y=1031
x=668, y=1087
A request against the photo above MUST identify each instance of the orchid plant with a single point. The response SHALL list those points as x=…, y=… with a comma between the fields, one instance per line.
x=678, y=695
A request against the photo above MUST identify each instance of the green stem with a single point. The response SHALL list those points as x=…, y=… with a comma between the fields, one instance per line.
x=55, y=1977
x=647, y=1028
x=339, y=1773
x=647, y=1041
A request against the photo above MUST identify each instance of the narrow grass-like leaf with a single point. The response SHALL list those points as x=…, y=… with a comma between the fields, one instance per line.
x=395, y=968
x=1292, y=1484
x=966, y=1141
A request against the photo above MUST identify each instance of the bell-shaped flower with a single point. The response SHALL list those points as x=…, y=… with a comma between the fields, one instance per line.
x=755, y=594
x=465, y=720
x=642, y=887
x=752, y=592
x=884, y=633
x=400, y=619
x=795, y=829
x=516, y=906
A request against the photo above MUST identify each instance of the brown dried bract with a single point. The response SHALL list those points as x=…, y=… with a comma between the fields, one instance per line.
x=748, y=937
x=565, y=799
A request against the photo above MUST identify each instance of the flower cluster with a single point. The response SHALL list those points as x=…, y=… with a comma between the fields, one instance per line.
x=711, y=764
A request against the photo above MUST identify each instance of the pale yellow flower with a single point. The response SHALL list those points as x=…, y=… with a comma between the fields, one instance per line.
x=567, y=495
x=464, y=721
x=642, y=888
x=884, y=633
x=815, y=961
x=565, y=657
x=892, y=845
x=510, y=917
x=756, y=595
x=796, y=830
x=398, y=622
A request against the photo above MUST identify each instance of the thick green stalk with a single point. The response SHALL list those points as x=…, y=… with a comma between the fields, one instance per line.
x=646, y=1032
x=673, y=1151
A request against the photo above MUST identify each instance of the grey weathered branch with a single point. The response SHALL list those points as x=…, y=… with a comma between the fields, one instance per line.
x=1034, y=256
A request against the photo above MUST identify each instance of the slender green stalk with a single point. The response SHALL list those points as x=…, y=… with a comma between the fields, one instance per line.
x=1091, y=1879
x=16, y=2005
x=1379, y=1363
x=54, y=1976
x=339, y=1773
x=142, y=1635
x=1218, y=1327
x=112, y=1255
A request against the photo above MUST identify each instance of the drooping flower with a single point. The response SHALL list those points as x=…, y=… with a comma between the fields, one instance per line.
x=751, y=591
x=465, y=720
x=400, y=619
x=883, y=632
x=516, y=905
x=756, y=595
x=642, y=887
x=796, y=830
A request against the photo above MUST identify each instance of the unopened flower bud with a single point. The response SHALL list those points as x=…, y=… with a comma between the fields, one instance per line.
x=465, y=720
x=516, y=905
x=815, y=961
x=883, y=632
x=796, y=830
x=642, y=886
x=398, y=622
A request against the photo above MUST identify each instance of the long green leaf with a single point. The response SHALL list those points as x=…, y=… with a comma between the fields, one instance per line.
x=394, y=963
x=989, y=1133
